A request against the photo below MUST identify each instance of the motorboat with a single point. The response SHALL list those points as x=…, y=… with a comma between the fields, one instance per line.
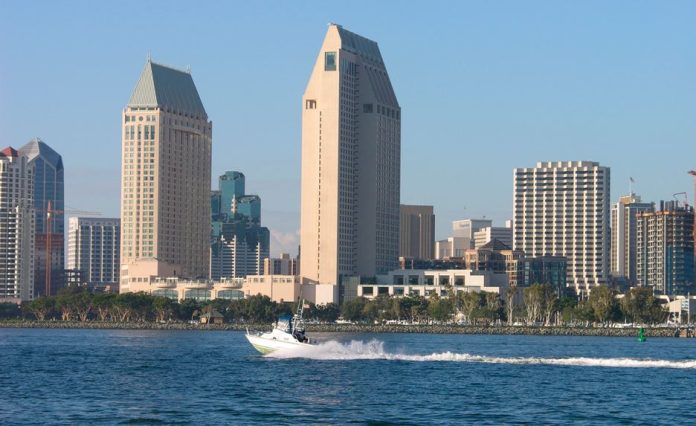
x=288, y=332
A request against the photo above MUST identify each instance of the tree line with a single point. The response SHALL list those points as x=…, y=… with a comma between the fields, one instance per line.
x=538, y=304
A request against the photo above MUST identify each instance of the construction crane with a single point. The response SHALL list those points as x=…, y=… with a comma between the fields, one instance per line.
x=50, y=212
x=686, y=198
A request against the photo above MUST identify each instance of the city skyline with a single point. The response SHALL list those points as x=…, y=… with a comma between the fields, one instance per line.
x=621, y=98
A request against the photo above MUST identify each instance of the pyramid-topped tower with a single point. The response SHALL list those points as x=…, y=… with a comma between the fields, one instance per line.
x=165, y=179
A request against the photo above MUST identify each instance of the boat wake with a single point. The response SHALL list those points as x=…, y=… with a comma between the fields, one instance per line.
x=374, y=350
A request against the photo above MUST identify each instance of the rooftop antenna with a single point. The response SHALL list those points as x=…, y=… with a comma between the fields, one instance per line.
x=630, y=185
x=149, y=56
x=188, y=69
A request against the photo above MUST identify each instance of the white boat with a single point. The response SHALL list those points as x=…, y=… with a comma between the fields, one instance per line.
x=287, y=333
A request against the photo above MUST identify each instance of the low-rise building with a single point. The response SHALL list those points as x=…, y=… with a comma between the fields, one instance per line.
x=521, y=271
x=279, y=288
x=405, y=282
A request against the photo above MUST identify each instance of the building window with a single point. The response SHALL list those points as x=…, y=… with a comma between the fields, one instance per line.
x=310, y=104
x=330, y=61
x=367, y=108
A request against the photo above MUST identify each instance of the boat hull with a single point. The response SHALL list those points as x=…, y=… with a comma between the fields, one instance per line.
x=267, y=344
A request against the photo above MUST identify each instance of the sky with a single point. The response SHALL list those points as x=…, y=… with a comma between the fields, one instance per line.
x=484, y=87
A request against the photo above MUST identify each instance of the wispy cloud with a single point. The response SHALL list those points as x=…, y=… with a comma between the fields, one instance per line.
x=284, y=242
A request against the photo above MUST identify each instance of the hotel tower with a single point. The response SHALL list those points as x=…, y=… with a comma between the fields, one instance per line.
x=351, y=148
x=165, y=179
x=562, y=209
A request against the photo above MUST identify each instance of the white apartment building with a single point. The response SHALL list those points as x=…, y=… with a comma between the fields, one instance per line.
x=17, y=227
x=351, y=153
x=562, y=209
x=94, y=248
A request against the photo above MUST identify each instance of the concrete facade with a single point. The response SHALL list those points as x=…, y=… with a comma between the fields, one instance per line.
x=17, y=227
x=94, y=248
x=562, y=209
x=279, y=288
x=665, y=249
x=452, y=247
x=433, y=282
x=165, y=179
x=283, y=265
x=417, y=232
x=351, y=147
x=485, y=235
x=623, y=236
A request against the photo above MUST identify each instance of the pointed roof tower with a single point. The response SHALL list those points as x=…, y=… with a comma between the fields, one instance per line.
x=166, y=87
x=38, y=148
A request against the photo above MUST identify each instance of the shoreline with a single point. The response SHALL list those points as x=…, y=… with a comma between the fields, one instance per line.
x=355, y=328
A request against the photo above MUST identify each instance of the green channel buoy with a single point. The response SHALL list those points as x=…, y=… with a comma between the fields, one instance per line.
x=641, y=335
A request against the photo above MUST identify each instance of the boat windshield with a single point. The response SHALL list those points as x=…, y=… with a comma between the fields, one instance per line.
x=284, y=323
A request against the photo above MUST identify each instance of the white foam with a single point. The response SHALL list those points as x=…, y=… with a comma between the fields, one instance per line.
x=374, y=349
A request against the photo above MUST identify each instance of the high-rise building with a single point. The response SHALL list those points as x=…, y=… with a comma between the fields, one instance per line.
x=623, y=236
x=239, y=244
x=94, y=249
x=17, y=227
x=465, y=228
x=351, y=149
x=283, y=265
x=462, y=238
x=48, y=188
x=417, y=235
x=485, y=235
x=165, y=179
x=665, y=249
x=562, y=209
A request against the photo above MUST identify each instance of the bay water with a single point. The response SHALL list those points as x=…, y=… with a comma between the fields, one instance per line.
x=55, y=376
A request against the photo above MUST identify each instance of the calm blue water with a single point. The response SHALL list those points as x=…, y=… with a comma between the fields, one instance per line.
x=134, y=377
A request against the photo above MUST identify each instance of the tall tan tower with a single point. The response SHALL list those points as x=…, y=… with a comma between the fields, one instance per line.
x=351, y=154
x=165, y=178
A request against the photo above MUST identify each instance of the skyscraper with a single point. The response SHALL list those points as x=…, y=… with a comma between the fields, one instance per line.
x=562, y=209
x=48, y=187
x=17, y=227
x=623, y=236
x=165, y=178
x=93, y=249
x=239, y=244
x=351, y=148
x=665, y=249
x=417, y=235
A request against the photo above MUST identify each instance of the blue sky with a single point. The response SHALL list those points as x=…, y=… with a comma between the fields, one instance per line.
x=484, y=87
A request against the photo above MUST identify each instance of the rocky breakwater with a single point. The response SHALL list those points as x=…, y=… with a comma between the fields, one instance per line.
x=491, y=330
x=354, y=328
